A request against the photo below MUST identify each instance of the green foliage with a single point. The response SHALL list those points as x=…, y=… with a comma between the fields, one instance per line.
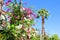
x=54, y=37
x=43, y=12
x=36, y=37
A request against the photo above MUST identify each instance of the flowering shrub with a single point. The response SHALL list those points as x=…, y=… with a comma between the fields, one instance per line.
x=19, y=22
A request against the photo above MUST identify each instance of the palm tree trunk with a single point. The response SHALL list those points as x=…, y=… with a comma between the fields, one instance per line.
x=43, y=28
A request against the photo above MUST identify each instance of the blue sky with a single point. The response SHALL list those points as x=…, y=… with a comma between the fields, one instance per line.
x=52, y=25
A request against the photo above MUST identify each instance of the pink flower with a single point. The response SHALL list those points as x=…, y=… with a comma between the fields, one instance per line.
x=28, y=32
x=30, y=18
x=29, y=11
x=23, y=8
x=7, y=3
x=26, y=9
x=15, y=17
x=23, y=28
x=28, y=15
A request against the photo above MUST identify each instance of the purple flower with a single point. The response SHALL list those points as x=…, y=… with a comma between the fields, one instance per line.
x=8, y=16
x=8, y=10
x=34, y=15
x=9, y=0
x=7, y=3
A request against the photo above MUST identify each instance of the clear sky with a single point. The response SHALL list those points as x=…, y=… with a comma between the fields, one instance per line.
x=52, y=25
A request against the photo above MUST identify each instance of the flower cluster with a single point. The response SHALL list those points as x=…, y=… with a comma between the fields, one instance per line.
x=20, y=21
x=19, y=13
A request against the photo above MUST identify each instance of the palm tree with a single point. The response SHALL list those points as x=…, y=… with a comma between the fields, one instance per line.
x=44, y=15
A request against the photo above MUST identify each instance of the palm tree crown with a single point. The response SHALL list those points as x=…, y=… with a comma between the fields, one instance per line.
x=43, y=12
